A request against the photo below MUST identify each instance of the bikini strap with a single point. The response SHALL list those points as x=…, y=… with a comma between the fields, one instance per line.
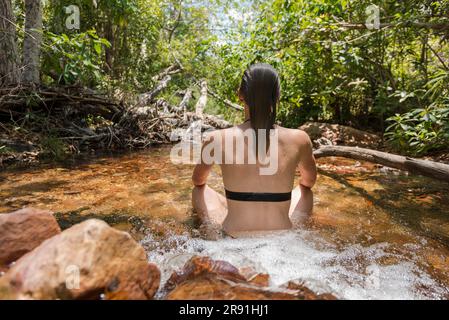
x=258, y=196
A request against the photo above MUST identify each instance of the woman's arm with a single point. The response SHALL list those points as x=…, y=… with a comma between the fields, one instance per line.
x=200, y=174
x=307, y=165
x=202, y=170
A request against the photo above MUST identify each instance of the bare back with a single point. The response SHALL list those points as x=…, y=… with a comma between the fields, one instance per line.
x=255, y=215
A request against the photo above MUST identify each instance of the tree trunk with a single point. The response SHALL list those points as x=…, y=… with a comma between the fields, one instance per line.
x=9, y=72
x=436, y=170
x=202, y=101
x=109, y=51
x=32, y=41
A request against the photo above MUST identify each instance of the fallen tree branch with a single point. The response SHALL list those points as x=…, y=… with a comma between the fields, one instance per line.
x=202, y=101
x=167, y=71
x=146, y=98
x=56, y=100
x=225, y=101
x=185, y=101
x=435, y=170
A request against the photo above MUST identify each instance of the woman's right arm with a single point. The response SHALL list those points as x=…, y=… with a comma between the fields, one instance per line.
x=202, y=170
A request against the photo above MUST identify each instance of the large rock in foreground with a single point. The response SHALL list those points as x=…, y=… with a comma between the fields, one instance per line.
x=335, y=134
x=88, y=261
x=22, y=231
x=205, y=279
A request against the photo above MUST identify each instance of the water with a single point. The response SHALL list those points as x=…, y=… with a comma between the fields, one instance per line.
x=356, y=272
x=374, y=234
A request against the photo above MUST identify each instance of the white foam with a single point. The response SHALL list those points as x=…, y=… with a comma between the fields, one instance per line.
x=351, y=273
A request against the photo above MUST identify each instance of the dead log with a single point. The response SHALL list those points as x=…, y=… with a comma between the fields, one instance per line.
x=225, y=101
x=435, y=170
x=57, y=100
x=185, y=101
x=202, y=101
x=216, y=122
x=167, y=71
x=146, y=98
x=164, y=107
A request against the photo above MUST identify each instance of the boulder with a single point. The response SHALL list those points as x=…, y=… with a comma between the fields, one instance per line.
x=335, y=134
x=205, y=279
x=22, y=231
x=90, y=260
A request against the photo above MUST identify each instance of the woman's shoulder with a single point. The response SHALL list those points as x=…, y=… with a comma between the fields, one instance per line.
x=291, y=131
x=296, y=136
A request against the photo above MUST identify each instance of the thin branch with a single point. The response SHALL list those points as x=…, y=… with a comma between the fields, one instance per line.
x=440, y=26
x=438, y=56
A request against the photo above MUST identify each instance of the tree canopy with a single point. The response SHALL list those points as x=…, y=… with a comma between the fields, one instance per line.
x=377, y=65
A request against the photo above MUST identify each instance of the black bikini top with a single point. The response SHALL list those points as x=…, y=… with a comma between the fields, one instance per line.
x=258, y=196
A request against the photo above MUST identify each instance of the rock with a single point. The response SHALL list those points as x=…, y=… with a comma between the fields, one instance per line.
x=211, y=231
x=205, y=279
x=200, y=266
x=85, y=261
x=22, y=231
x=254, y=277
x=305, y=293
x=335, y=134
x=209, y=287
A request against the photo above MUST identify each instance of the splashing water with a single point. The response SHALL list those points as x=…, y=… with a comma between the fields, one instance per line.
x=355, y=272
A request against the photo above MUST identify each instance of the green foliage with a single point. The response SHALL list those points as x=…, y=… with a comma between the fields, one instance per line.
x=353, y=76
x=391, y=77
x=419, y=131
x=5, y=149
x=341, y=74
x=53, y=148
x=75, y=58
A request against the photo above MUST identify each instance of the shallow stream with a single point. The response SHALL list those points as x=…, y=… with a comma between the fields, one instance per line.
x=375, y=233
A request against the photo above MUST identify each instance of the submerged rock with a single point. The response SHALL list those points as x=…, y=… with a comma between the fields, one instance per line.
x=90, y=260
x=22, y=231
x=205, y=279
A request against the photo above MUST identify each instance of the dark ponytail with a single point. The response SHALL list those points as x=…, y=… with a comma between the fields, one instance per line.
x=260, y=89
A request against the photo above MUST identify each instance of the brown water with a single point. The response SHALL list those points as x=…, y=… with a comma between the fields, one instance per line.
x=375, y=233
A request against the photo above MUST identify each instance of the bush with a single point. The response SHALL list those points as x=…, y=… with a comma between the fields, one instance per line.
x=53, y=148
x=419, y=131
x=76, y=59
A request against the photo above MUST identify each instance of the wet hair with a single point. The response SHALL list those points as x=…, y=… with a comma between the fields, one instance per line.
x=260, y=89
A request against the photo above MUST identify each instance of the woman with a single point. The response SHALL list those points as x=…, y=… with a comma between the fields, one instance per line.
x=255, y=201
